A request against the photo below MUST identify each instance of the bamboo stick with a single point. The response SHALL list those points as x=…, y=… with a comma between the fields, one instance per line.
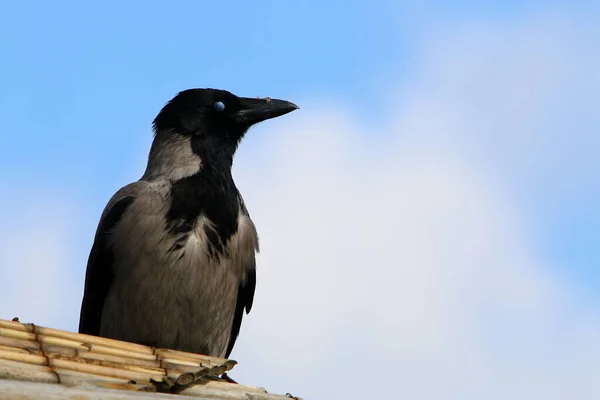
x=62, y=350
x=104, y=370
x=14, y=325
x=110, y=364
x=186, y=362
x=82, y=379
x=94, y=348
x=93, y=340
x=34, y=359
x=71, y=377
x=182, y=368
x=169, y=353
x=15, y=370
x=123, y=353
x=17, y=334
x=120, y=359
x=14, y=349
x=19, y=343
x=51, y=340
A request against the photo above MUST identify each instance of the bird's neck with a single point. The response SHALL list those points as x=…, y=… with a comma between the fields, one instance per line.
x=211, y=194
x=182, y=157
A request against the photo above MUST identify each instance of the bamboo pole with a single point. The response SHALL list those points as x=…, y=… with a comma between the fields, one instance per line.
x=119, y=359
x=27, y=345
x=14, y=325
x=38, y=354
x=14, y=370
x=93, y=340
x=27, y=358
x=117, y=372
x=16, y=334
x=72, y=378
x=169, y=353
x=47, y=336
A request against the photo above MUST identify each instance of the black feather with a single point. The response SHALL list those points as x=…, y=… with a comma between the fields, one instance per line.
x=245, y=298
x=212, y=194
x=99, y=274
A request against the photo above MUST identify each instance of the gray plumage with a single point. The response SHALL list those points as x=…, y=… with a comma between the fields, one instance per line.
x=173, y=260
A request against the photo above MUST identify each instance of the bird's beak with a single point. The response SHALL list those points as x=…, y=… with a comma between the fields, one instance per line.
x=256, y=110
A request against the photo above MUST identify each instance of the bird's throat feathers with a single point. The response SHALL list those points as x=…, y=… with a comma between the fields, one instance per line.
x=175, y=157
x=201, y=186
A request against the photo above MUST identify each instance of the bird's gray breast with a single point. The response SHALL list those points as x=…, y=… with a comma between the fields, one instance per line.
x=169, y=291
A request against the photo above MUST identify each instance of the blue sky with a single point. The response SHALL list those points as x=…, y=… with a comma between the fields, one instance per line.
x=488, y=110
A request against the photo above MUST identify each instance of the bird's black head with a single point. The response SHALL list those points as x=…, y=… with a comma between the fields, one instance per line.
x=215, y=119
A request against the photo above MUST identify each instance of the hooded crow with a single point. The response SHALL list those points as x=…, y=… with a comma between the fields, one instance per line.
x=173, y=259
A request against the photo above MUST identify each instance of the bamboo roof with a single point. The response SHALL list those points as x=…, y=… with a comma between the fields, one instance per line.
x=44, y=363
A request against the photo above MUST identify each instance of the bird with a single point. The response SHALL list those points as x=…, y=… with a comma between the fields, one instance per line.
x=173, y=261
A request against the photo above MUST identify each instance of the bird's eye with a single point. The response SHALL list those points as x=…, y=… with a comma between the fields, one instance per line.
x=219, y=106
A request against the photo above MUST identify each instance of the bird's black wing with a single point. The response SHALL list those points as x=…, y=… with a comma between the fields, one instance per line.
x=245, y=298
x=99, y=274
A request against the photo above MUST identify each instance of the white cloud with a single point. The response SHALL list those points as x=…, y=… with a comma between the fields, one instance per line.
x=518, y=93
x=407, y=267
x=37, y=284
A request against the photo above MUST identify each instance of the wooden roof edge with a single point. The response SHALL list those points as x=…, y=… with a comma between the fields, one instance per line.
x=24, y=390
x=44, y=363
